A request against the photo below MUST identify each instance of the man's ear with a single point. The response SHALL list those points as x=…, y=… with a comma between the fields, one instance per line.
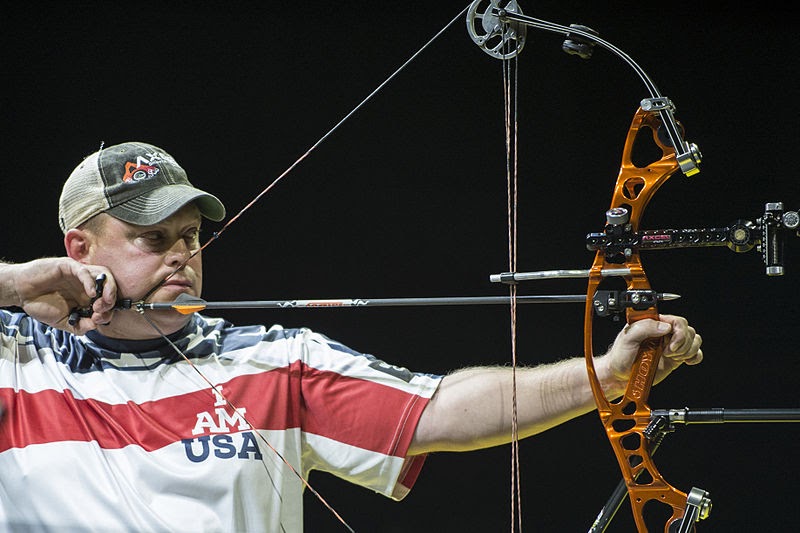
x=78, y=244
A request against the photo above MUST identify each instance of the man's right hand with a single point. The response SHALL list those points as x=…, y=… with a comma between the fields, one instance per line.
x=49, y=289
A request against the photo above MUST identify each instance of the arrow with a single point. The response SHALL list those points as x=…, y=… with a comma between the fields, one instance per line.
x=187, y=305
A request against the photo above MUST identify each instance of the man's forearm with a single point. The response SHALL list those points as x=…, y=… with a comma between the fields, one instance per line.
x=8, y=292
x=473, y=408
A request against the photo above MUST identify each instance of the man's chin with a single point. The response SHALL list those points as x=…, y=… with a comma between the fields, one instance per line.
x=169, y=317
x=151, y=324
x=170, y=293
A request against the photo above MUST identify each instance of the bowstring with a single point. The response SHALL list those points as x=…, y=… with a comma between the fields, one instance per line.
x=252, y=202
x=510, y=101
x=300, y=159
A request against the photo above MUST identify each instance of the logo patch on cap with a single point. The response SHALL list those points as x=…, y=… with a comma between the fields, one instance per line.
x=144, y=167
x=137, y=172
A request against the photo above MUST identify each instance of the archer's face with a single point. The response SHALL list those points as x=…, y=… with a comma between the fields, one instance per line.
x=140, y=257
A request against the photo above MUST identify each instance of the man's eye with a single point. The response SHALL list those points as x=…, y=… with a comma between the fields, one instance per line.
x=192, y=236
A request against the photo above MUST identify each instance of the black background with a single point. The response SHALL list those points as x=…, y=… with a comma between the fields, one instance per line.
x=408, y=198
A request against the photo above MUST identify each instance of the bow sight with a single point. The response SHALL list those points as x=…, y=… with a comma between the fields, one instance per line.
x=766, y=234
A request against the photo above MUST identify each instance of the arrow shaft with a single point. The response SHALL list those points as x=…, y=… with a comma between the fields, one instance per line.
x=375, y=302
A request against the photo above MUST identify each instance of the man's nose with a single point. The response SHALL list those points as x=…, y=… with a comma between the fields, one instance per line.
x=178, y=252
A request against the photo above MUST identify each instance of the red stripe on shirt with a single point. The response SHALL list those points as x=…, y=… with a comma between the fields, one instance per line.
x=375, y=417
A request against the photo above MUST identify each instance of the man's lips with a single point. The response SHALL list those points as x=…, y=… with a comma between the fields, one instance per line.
x=178, y=284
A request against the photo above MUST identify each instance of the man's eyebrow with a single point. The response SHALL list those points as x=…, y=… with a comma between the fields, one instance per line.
x=194, y=223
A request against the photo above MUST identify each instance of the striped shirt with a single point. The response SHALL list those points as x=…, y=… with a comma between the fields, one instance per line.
x=100, y=434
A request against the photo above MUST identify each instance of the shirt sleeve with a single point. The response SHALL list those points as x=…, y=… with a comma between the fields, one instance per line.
x=359, y=415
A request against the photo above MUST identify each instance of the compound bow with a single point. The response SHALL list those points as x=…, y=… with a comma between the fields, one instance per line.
x=627, y=420
x=632, y=429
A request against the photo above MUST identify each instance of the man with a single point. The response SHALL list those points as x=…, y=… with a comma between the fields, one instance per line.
x=223, y=439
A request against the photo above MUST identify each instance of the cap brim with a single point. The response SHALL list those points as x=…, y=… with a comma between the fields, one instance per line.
x=158, y=204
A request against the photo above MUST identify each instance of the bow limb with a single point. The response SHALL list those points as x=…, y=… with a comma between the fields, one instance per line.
x=626, y=419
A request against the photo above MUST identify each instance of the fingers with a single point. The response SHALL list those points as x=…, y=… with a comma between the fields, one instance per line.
x=102, y=302
x=684, y=341
x=682, y=335
x=82, y=326
x=692, y=356
x=697, y=359
x=647, y=328
x=683, y=344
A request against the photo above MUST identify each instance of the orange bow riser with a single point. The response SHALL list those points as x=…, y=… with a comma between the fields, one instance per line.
x=627, y=420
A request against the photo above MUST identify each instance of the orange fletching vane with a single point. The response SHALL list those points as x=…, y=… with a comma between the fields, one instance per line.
x=186, y=305
x=188, y=309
